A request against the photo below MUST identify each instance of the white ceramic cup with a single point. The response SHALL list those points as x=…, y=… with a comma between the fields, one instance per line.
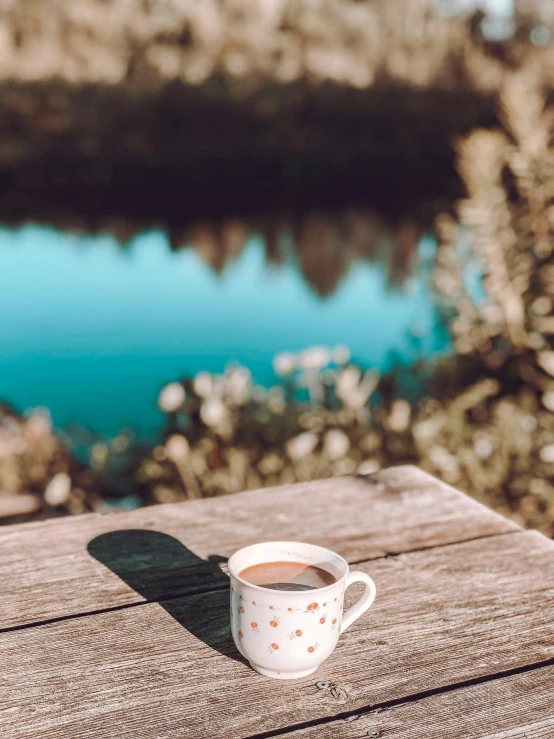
x=288, y=633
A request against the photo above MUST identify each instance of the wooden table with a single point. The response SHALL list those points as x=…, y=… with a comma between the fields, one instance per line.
x=118, y=625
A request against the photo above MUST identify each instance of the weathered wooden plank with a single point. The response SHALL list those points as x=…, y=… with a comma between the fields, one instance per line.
x=515, y=707
x=442, y=616
x=43, y=566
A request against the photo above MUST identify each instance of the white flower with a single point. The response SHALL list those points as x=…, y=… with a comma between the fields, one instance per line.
x=399, y=418
x=368, y=467
x=203, y=384
x=120, y=444
x=300, y=446
x=427, y=430
x=284, y=364
x=353, y=391
x=213, y=411
x=99, y=454
x=529, y=423
x=171, y=397
x=546, y=361
x=177, y=448
x=336, y=444
x=542, y=306
x=276, y=399
x=237, y=385
x=347, y=382
x=58, y=489
x=548, y=402
x=316, y=357
x=547, y=454
x=341, y=354
x=442, y=459
x=38, y=424
x=270, y=464
x=482, y=446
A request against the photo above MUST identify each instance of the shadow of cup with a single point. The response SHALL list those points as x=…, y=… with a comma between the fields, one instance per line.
x=194, y=591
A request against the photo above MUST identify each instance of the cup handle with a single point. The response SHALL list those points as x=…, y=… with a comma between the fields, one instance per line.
x=365, y=601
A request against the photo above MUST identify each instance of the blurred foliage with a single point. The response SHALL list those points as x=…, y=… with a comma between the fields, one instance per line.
x=354, y=43
x=485, y=419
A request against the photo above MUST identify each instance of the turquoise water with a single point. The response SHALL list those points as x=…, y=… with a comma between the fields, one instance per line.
x=92, y=331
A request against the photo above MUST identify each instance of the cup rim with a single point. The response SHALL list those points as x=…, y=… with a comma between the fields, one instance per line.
x=235, y=574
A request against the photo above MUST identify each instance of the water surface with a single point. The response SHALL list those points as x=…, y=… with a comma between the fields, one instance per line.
x=92, y=330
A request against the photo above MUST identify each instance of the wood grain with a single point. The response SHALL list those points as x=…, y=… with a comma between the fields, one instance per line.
x=514, y=707
x=442, y=616
x=44, y=566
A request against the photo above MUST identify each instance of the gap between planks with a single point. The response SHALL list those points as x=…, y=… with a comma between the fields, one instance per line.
x=410, y=698
x=43, y=566
x=432, y=633
x=200, y=591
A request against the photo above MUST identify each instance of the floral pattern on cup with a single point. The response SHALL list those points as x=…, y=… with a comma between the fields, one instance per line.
x=324, y=618
x=310, y=608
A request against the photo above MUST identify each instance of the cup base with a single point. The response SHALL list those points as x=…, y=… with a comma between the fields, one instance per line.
x=283, y=675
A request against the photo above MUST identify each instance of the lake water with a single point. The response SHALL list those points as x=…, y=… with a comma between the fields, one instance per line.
x=92, y=330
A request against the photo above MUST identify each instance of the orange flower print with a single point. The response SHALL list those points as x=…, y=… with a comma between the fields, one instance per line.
x=270, y=608
x=289, y=609
x=312, y=607
x=253, y=602
x=254, y=627
x=312, y=649
x=324, y=605
x=274, y=622
x=273, y=648
x=334, y=599
x=294, y=634
x=240, y=634
x=333, y=624
x=323, y=619
x=241, y=609
x=298, y=632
